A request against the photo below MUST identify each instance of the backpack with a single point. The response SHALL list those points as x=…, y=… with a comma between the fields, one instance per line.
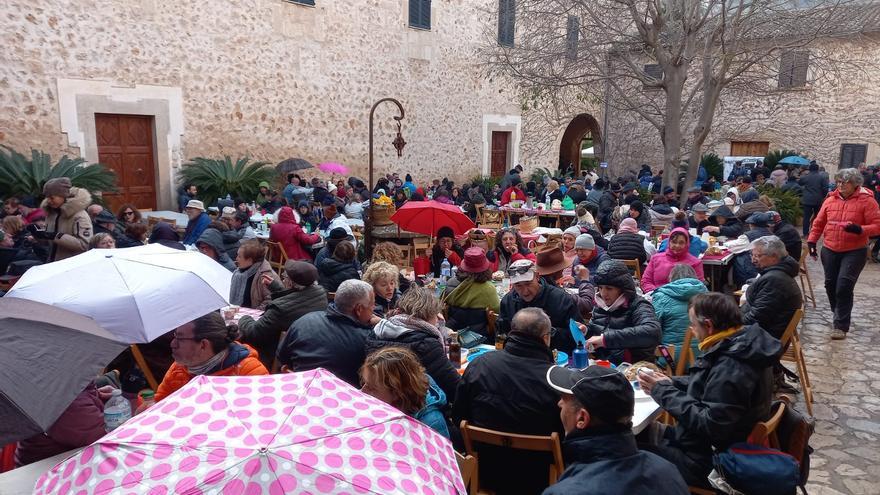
x=794, y=432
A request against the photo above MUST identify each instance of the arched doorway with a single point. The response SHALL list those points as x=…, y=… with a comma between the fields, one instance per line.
x=582, y=133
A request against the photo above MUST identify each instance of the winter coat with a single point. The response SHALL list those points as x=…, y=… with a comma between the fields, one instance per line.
x=214, y=239
x=606, y=460
x=195, y=228
x=241, y=361
x=628, y=246
x=292, y=236
x=728, y=390
x=507, y=390
x=671, y=308
x=548, y=197
x=332, y=272
x=595, y=196
x=732, y=229
x=412, y=333
x=505, y=196
x=747, y=209
x=741, y=264
x=815, y=188
x=164, y=234
x=285, y=307
x=661, y=264
x=694, y=224
x=660, y=215
x=791, y=237
x=558, y=305
x=773, y=297
x=78, y=426
x=383, y=305
x=232, y=241
x=695, y=248
x=860, y=208
x=599, y=255
x=437, y=256
x=259, y=293
x=326, y=339
x=631, y=332
x=502, y=261
x=73, y=224
x=432, y=414
x=607, y=203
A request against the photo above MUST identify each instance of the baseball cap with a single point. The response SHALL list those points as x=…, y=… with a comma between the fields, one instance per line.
x=521, y=271
x=604, y=392
x=700, y=207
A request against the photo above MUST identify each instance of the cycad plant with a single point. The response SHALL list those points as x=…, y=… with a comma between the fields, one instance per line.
x=23, y=176
x=775, y=156
x=215, y=178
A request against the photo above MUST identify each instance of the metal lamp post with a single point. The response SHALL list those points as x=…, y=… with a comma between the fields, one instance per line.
x=398, y=144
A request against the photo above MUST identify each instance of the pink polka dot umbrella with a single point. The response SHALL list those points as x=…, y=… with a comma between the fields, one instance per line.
x=295, y=433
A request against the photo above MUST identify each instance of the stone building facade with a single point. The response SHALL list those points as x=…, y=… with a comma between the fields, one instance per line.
x=271, y=79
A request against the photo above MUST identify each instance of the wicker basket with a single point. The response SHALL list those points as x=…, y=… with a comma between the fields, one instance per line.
x=528, y=224
x=382, y=214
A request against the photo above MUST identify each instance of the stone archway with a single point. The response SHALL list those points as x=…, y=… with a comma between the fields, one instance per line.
x=580, y=127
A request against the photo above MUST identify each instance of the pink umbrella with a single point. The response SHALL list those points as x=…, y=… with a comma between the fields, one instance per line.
x=333, y=168
x=292, y=433
x=425, y=217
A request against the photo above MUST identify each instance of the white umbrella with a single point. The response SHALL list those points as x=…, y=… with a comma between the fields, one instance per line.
x=136, y=294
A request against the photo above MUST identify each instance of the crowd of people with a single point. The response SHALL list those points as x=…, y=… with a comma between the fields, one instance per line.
x=355, y=312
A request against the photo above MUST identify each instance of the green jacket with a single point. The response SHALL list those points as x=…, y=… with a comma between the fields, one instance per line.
x=473, y=295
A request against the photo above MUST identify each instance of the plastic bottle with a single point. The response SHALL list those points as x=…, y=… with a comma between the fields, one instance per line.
x=117, y=410
x=446, y=269
x=579, y=356
x=149, y=397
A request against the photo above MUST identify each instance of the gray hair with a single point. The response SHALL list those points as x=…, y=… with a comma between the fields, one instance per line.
x=851, y=175
x=682, y=270
x=771, y=246
x=351, y=293
x=531, y=321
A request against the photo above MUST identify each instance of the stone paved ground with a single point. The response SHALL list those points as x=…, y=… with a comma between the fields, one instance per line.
x=846, y=383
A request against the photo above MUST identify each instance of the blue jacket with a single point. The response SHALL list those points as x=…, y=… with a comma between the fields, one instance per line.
x=432, y=414
x=696, y=246
x=606, y=460
x=671, y=307
x=195, y=228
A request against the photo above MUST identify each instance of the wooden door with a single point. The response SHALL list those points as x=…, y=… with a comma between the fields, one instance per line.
x=125, y=144
x=749, y=148
x=500, y=141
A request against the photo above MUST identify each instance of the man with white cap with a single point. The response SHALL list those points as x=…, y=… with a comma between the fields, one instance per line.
x=198, y=221
x=599, y=449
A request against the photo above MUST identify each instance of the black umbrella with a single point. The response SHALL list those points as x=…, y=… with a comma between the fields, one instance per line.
x=292, y=165
x=49, y=355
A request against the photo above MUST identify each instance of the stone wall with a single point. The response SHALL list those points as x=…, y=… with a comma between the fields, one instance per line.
x=268, y=78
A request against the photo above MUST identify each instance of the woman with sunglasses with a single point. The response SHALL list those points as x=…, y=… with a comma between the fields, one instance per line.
x=129, y=214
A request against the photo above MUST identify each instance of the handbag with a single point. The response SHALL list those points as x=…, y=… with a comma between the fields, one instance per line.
x=755, y=469
x=469, y=338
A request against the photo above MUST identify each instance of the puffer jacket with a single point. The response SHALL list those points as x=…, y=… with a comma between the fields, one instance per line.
x=773, y=298
x=628, y=246
x=606, y=460
x=416, y=335
x=432, y=414
x=241, y=361
x=661, y=264
x=727, y=391
x=661, y=215
x=556, y=302
x=631, y=332
x=747, y=209
x=836, y=212
x=332, y=272
x=326, y=339
x=732, y=229
x=213, y=238
x=671, y=308
x=292, y=236
x=73, y=224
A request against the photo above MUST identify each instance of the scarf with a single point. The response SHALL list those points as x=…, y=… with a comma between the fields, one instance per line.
x=620, y=301
x=239, y=283
x=717, y=337
x=413, y=322
x=209, y=365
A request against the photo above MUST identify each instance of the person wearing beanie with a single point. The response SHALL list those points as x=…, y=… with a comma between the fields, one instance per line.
x=787, y=233
x=569, y=236
x=627, y=243
x=445, y=248
x=68, y=226
x=589, y=255
x=623, y=327
x=661, y=264
x=642, y=216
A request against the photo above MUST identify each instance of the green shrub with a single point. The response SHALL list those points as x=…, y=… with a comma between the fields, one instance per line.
x=786, y=203
x=215, y=178
x=23, y=176
x=714, y=166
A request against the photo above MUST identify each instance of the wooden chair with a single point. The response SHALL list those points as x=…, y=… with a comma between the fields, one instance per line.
x=142, y=364
x=635, y=267
x=805, y=275
x=764, y=433
x=491, y=319
x=468, y=467
x=491, y=219
x=471, y=434
x=276, y=255
x=656, y=230
x=421, y=247
x=686, y=356
x=794, y=353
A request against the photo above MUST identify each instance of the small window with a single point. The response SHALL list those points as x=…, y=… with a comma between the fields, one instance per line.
x=420, y=14
x=303, y=2
x=653, y=71
x=506, y=21
x=572, y=34
x=851, y=155
x=793, y=65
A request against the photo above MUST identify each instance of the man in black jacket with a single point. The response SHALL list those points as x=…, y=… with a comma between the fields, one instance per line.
x=724, y=223
x=607, y=203
x=787, y=233
x=333, y=339
x=728, y=390
x=530, y=291
x=506, y=391
x=772, y=298
x=815, y=188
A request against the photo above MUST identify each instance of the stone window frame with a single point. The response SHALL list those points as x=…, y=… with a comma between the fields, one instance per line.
x=418, y=18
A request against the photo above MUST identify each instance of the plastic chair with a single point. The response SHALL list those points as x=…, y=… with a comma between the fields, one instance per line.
x=468, y=467
x=794, y=353
x=276, y=255
x=805, y=275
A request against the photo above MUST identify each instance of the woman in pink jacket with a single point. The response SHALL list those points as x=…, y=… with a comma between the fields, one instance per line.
x=661, y=264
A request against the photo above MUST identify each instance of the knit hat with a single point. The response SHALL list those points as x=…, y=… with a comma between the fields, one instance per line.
x=585, y=241
x=445, y=232
x=105, y=217
x=573, y=231
x=59, y=186
x=301, y=273
x=667, y=190
x=551, y=261
x=628, y=225
x=615, y=274
x=194, y=203
x=700, y=207
x=604, y=392
x=474, y=261
x=615, y=187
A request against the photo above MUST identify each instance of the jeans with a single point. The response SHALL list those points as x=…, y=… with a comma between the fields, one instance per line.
x=842, y=271
x=810, y=211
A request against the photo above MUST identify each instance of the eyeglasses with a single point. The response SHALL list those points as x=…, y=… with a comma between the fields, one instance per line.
x=175, y=337
x=513, y=270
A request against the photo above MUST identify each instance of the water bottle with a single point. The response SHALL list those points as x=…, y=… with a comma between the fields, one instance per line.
x=579, y=356
x=117, y=410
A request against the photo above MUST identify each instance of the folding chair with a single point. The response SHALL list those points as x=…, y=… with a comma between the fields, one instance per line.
x=805, y=275
x=794, y=353
x=468, y=467
x=635, y=267
x=276, y=255
x=764, y=432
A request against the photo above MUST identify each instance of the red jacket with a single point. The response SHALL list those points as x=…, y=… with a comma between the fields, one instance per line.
x=292, y=236
x=861, y=208
x=505, y=196
x=178, y=376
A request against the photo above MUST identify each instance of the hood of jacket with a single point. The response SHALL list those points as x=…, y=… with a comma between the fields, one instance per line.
x=787, y=265
x=435, y=396
x=213, y=238
x=723, y=211
x=163, y=232
x=79, y=200
x=663, y=209
x=285, y=215
x=522, y=345
x=394, y=327
x=752, y=344
x=682, y=289
x=687, y=244
x=332, y=266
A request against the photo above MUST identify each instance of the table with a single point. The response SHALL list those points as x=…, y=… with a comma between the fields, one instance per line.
x=253, y=313
x=717, y=266
x=21, y=481
x=181, y=218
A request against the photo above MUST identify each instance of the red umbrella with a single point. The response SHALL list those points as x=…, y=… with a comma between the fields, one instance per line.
x=425, y=217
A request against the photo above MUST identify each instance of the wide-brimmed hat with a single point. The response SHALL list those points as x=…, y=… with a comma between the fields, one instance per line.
x=196, y=204
x=550, y=261
x=474, y=261
x=615, y=187
x=339, y=234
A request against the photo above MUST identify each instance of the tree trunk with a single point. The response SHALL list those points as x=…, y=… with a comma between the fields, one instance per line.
x=671, y=133
x=711, y=93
